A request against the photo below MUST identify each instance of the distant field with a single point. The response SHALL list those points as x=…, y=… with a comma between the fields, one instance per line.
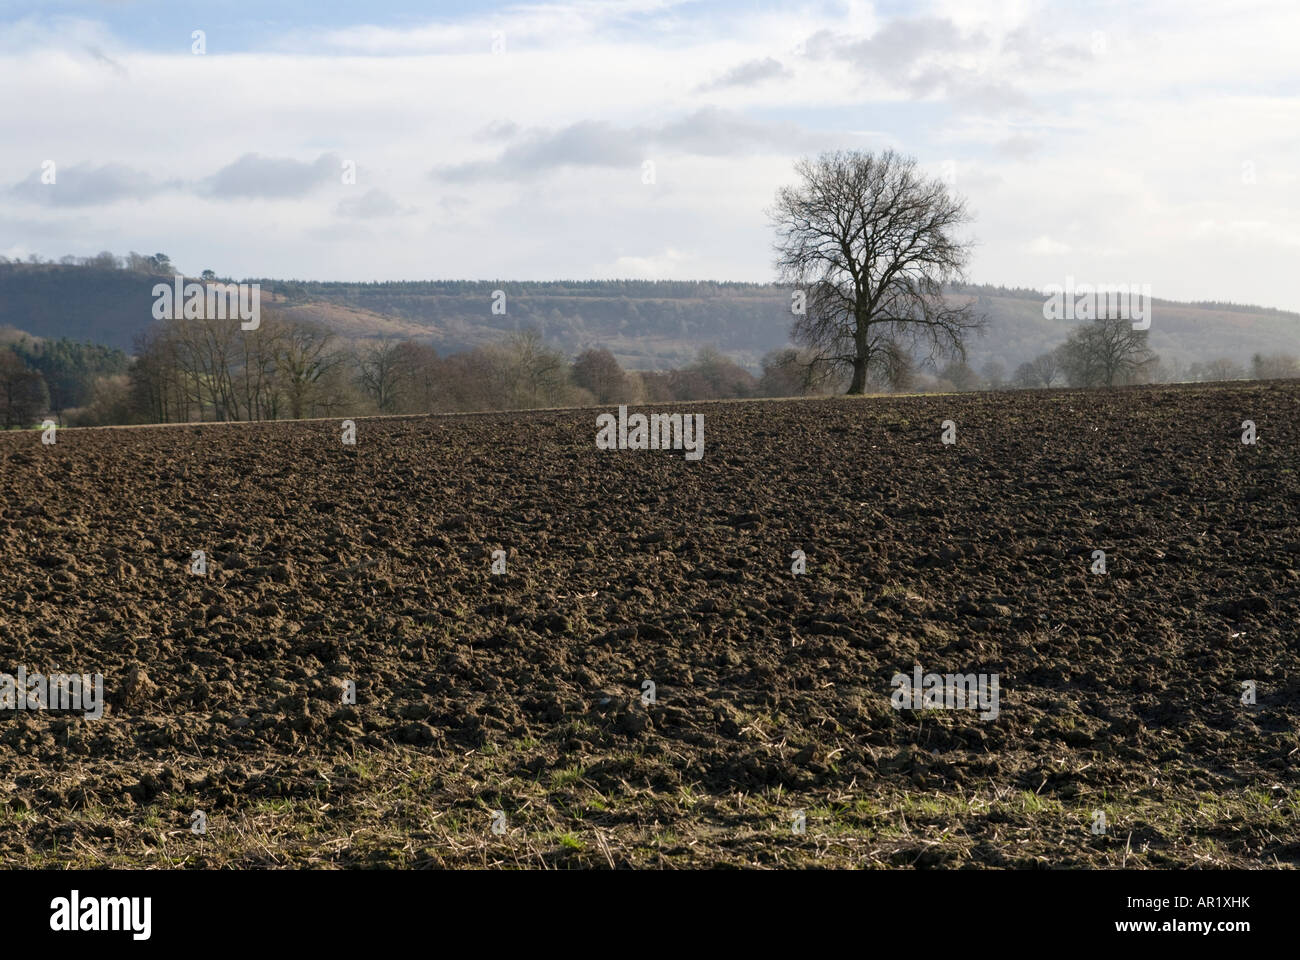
x=522, y=692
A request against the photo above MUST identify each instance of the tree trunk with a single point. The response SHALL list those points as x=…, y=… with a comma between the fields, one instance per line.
x=858, y=385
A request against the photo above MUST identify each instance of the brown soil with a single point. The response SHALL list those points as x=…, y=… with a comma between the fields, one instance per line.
x=522, y=692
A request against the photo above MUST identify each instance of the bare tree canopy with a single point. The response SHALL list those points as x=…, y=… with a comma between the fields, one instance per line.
x=1105, y=353
x=304, y=357
x=871, y=242
x=599, y=371
x=379, y=369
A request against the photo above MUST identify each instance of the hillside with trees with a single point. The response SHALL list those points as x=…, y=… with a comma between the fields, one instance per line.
x=646, y=325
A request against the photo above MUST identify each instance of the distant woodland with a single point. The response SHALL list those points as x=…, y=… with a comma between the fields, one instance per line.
x=79, y=343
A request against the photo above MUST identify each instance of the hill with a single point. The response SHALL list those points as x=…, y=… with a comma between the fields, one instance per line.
x=646, y=324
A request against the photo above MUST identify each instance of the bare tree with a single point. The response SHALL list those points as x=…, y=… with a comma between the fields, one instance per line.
x=994, y=375
x=599, y=371
x=893, y=370
x=303, y=356
x=538, y=375
x=960, y=376
x=785, y=374
x=657, y=386
x=419, y=377
x=1106, y=352
x=378, y=373
x=205, y=349
x=1047, y=367
x=1025, y=377
x=334, y=392
x=1274, y=366
x=715, y=375
x=900, y=368
x=872, y=244
x=157, y=395
x=1224, y=368
x=110, y=402
x=257, y=375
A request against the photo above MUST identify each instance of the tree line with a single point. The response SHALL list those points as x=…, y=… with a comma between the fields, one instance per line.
x=48, y=377
x=288, y=368
x=197, y=370
x=1107, y=352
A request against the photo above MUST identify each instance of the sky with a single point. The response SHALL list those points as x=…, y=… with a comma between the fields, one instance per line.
x=1112, y=143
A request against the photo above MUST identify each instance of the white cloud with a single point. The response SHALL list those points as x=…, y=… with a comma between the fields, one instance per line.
x=1045, y=246
x=662, y=266
x=1123, y=160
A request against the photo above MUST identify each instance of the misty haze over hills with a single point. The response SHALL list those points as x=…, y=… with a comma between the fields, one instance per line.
x=646, y=324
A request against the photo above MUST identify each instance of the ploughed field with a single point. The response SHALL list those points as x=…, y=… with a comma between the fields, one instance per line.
x=772, y=738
